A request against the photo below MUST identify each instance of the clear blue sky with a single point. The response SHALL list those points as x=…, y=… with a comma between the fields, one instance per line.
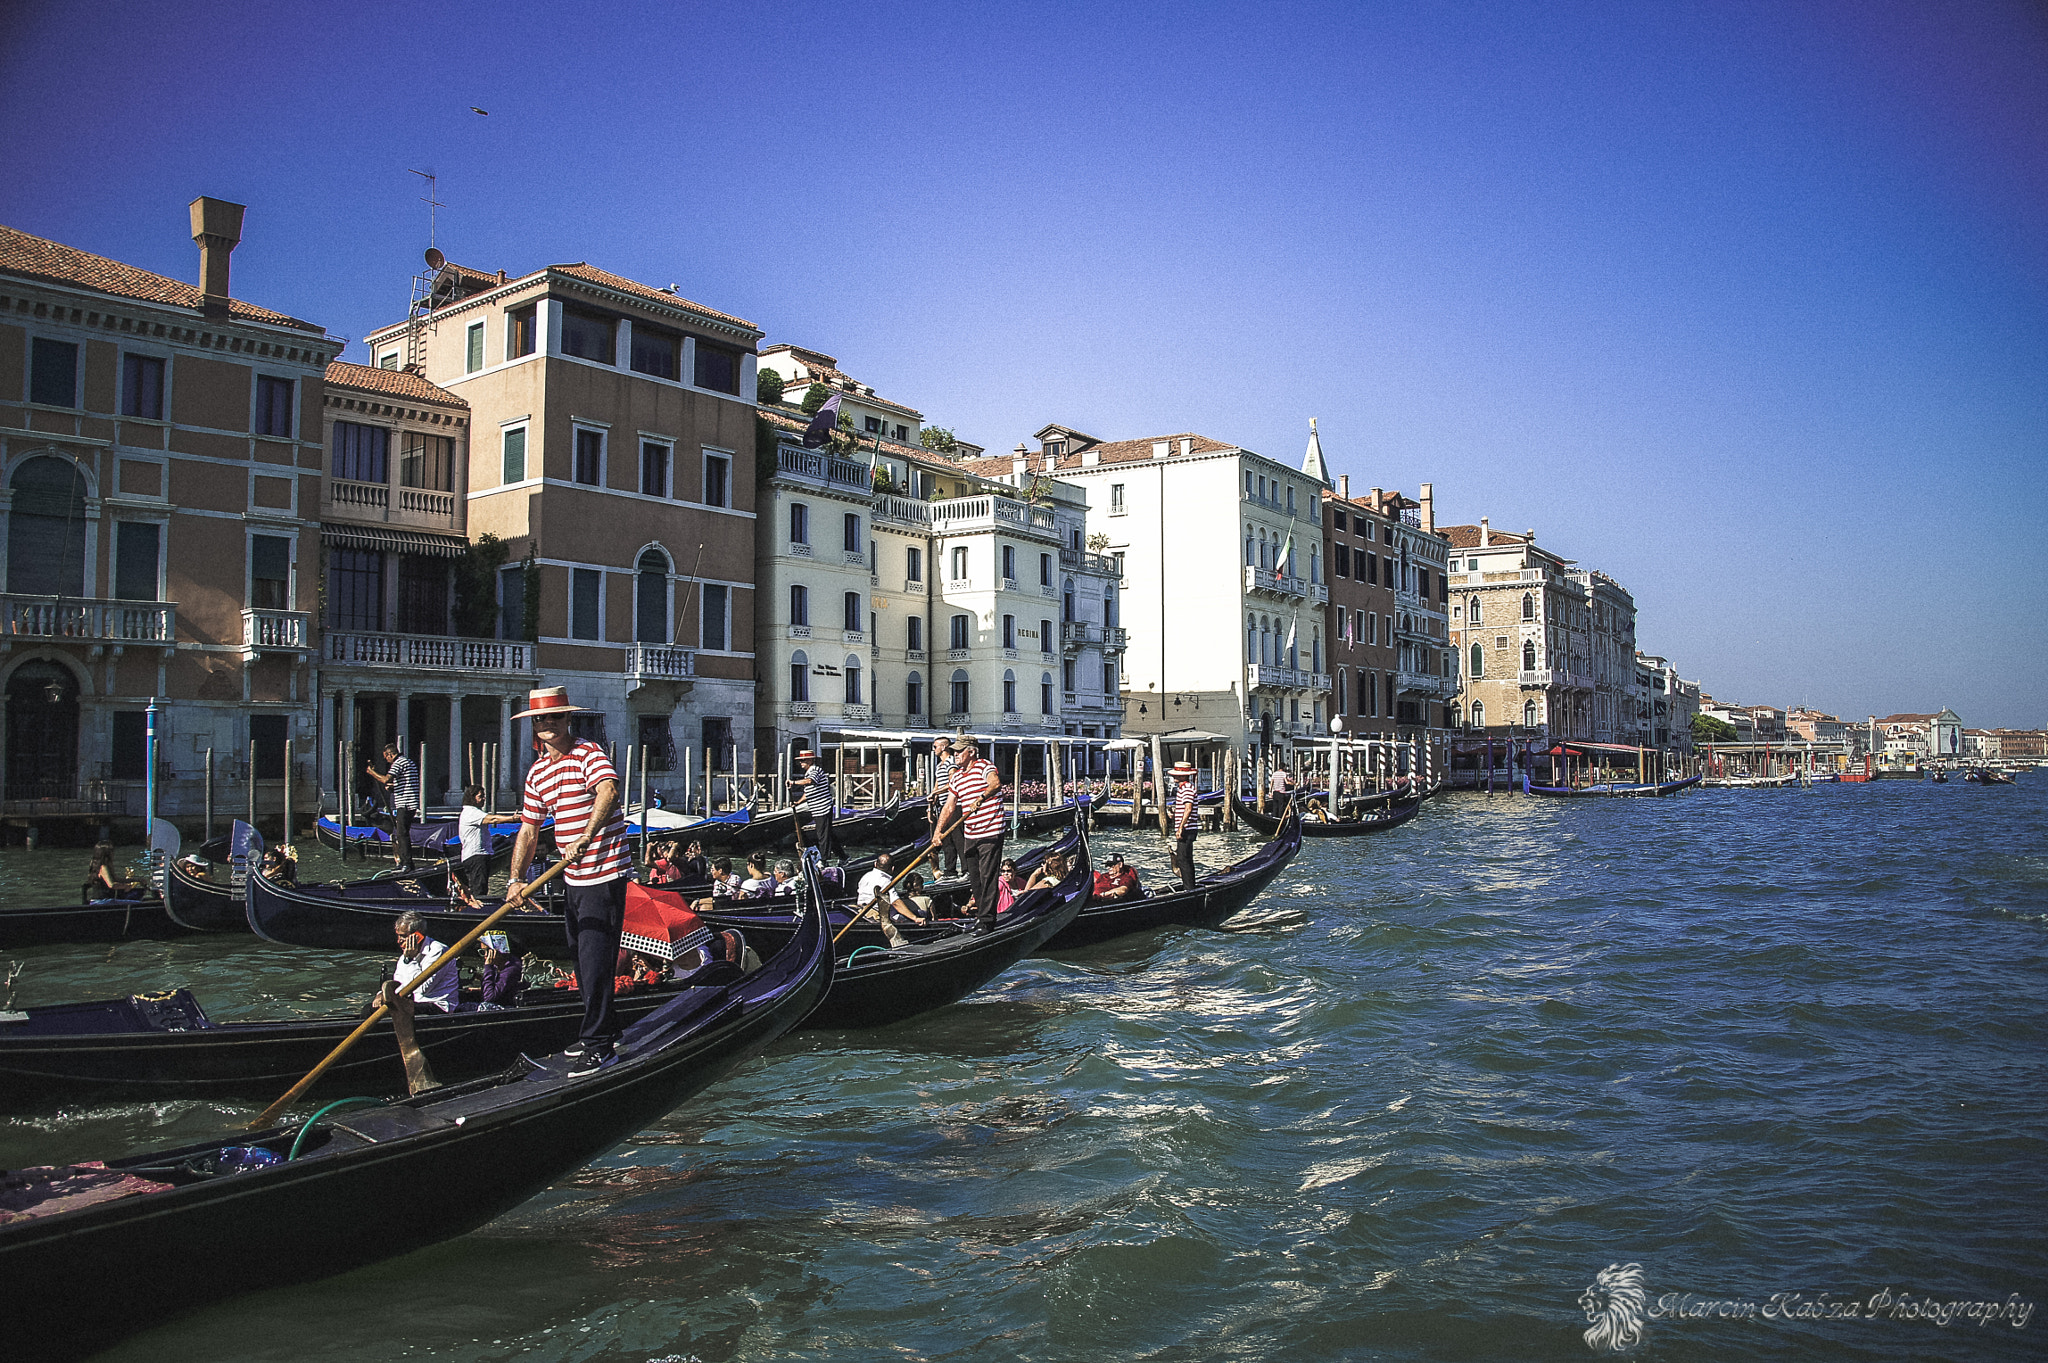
x=1746, y=305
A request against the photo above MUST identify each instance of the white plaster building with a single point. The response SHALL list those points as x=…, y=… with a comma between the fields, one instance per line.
x=1231, y=642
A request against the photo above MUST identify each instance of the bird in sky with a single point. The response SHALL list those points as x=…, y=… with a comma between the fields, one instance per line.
x=485, y=112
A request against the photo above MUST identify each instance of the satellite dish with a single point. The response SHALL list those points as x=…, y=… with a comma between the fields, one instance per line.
x=435, y=260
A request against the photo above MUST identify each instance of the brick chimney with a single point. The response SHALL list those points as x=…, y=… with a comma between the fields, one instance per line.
x=1485, y=535
x=1344, y=486
x=1428, y=500
x=217, y=227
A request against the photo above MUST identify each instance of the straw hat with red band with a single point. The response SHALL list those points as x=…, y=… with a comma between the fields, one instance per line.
x=1184, y=771
x=806, y=756
x=551, y=700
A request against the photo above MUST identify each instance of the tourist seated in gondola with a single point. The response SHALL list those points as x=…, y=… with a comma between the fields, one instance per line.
x=280, y=865
x=416, y=950
x=724, y=885
x=196, y=866
x=880, y=898
x=102, y=883
x=758, y=883
x=504, y=975
x=1051, y=871
x=661, y=866
x=692, y=868
x=1116, y=881
x=785, y=878
x=911, y=892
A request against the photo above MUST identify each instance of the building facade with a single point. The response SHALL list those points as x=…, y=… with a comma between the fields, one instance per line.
x=616, y=465
x=161, y=443
x=1232, y=644
x=1389, y=612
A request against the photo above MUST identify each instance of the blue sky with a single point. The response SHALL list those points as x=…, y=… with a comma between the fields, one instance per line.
x=1746, y=305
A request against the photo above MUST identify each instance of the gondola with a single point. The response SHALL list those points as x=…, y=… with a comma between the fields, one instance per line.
x=874, y=985
x=217, y=902
x=141, y=917
x=370, y=1183
x=434, y=839
x=1939, y=778
x=768, y=922
x=777, y=832
x=1040, y=821
x=1987, y=776
x=1392, y=817
x=1213, y=900
x=358, y=914
x=1121, y=806
x=1604, y=788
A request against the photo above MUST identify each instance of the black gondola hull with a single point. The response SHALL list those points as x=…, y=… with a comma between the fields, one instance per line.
x=1394, y=817
x=111, y=920
x=1214, y=900
x=447, y=1163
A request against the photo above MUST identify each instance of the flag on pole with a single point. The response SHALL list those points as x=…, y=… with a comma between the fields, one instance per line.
x=823, y=424
x=1285, y=559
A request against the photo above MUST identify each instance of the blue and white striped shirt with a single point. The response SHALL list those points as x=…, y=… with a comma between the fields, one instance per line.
x=818, y=791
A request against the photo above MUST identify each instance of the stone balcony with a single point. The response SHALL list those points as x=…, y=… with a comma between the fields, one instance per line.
x=119, y=623
x=1262, y=580
x=1113, y=638
x=1078, y=634
x=345, y=500
x=969, y=515
x=433, y=653
x=660, y=662
x=266, y=631
x=818, y=469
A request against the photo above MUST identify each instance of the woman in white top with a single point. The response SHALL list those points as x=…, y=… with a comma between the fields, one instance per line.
x=472, y=878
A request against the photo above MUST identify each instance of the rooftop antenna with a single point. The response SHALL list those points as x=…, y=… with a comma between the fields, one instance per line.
x=423, y=284
x=430, y=201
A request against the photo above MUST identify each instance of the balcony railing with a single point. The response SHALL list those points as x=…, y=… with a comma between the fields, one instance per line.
x=58, y=617
x=963, y=515
x=819, y=467
x=660, y=662
x=421, y=501
x=854, y=713
x=373, y=501
x=958, y=719
x=803, y=709
x=903, y=511
x=1541, y=676
x=1075, y=633
x=913, y=585
x=429, y=653
x=1113, y=636
x=273, y=631
x=1284, y=678
x=350, y=495
x=798, y=550
x=1087, y=562
x=1264, y=580
x=799, y=631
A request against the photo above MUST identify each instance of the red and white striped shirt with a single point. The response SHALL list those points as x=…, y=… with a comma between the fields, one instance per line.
x=970, y=780
x=565, y=787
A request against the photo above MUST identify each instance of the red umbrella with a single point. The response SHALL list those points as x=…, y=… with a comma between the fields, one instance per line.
x=660, y=923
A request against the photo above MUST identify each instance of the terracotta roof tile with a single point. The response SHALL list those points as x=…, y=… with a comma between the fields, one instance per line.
x=582, y=270
x=1109, y=452
x=36, y=258
x=395, y=382
x=1467, y=537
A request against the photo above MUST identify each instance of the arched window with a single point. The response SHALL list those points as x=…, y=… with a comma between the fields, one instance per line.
x=799, y=604
x=1251, y=639
x=852, y=674
x=799, y=523
x=1478, y=714
x=913, y=695
x=650, y=598
x=1067, y=601
x=46, y=529
x=1265, y=641
x=1109, y=605
x=1528, y=714
x=1528, y=606
x=1528, y=655
x=854, y=622
x=1009, y=692
x=1009, y=631
x=1342, y=707
x=959, y=690
x=1316, y=651
x=1250, y=555
x=1045, y=693
x=1315, y=564
x=1478, y=661
x=1454, y=715
x=799, y=676
x=1472, y=614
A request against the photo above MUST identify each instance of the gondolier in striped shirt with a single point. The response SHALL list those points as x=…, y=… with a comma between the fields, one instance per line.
x=816, y=806
x=974, y=800
x=1185, y=823
x=574, y=783
x=401, y=780
x=948, y=850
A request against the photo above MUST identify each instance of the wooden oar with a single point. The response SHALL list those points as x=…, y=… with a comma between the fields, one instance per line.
x=269, y=1114
x=881, y=900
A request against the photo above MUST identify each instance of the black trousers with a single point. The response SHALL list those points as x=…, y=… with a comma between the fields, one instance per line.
x=1184, y=857
x=595, y=915
x=984, y=857
x=401, y=837
x=475, y=874
x=819, y=829
x=949, y=850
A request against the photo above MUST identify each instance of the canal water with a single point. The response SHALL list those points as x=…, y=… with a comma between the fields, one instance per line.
x=1782, y=1051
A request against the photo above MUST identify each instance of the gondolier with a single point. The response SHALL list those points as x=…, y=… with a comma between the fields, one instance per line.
x=574, y=783
x=401, y=781
x=816, y=806
x=948, y=850
x=974, y=800
x=1186, y=823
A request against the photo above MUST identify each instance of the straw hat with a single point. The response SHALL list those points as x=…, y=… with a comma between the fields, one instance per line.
x=806, y=756
x=550, y=700
x=1184, y=771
